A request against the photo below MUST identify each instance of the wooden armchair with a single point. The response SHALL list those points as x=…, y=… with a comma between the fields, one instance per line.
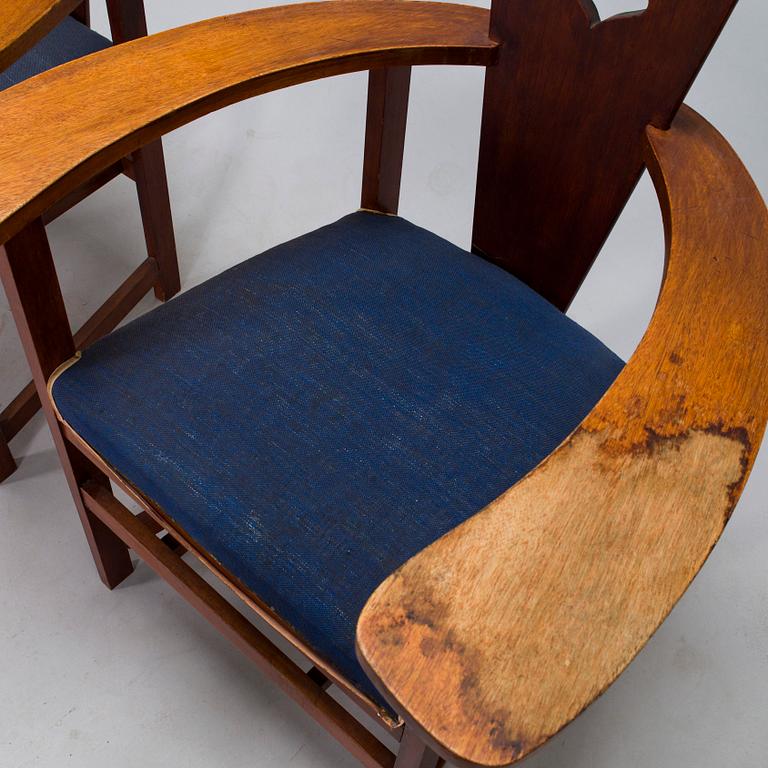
x=461, y=508
x=35, y=36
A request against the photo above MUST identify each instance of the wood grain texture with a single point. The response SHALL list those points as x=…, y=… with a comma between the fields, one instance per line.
x=563, y=120
x=116, y=103
x=500, y=633
x=24, y=22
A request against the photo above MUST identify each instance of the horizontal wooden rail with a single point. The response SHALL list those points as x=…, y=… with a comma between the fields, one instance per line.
x=274, y=664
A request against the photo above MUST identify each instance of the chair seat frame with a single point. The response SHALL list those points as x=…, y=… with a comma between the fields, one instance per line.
x=668, y=448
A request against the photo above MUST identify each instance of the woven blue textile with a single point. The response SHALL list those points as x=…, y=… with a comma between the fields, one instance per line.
x=68, y=41
x=318, y=414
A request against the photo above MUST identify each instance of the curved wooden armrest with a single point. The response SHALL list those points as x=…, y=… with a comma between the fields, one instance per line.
x=496, y=636
x=24, y=22
x=109, y=104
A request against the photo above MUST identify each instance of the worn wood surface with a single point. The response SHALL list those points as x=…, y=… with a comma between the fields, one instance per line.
x=563, y=121
x=116, y=103
x=24, y=22
x=501, y=632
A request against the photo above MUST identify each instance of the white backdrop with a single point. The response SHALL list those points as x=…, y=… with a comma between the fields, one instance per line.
x=135, y=677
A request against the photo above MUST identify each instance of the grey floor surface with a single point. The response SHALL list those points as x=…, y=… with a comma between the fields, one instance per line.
x=135, y=677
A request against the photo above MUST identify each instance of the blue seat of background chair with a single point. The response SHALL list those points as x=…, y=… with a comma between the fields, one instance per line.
x=68, y=41
x=318, y=414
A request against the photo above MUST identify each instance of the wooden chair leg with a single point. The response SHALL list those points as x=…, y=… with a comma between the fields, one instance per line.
x=29, y=277
x=7, y=462
x=415, y=754
x=155, y=205
x=83, y=13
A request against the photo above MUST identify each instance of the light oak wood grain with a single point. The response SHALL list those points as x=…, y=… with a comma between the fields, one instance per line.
x=500, y=633
x=24, y=22
x=116, y=103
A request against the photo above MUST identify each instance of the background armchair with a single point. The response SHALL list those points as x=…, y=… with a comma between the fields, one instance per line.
x=35, y=36
x=643, y=446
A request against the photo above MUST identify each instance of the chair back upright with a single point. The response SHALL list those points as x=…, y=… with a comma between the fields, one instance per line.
x=564, y=116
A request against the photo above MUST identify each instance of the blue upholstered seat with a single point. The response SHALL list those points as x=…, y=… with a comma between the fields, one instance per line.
x=68, y=41
x=318, y=414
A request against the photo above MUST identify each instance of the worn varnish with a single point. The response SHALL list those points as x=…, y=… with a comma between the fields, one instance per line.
x=24, y=22
x=500, y=633
x=117, y=104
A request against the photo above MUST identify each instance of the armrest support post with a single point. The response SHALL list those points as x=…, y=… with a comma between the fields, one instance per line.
x=388, y=92
x=127, y=20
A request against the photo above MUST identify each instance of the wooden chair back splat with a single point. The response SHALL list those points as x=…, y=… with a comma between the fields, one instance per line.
x=563, y=120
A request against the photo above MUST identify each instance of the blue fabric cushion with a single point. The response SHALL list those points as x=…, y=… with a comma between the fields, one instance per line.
x=318, y=414
x=68, y=41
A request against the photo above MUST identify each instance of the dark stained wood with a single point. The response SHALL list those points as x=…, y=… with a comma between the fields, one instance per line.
x=161, y=522
x=118, y=305
x=29, y=278
x=387, y=116
x=666, y=452
x=272, y=662
x=27, y=403
x=146, y=167
x=573, y=569
x=414, y=753
x=19, y=411
x=127, y=20
x=83, y=13
x=563, y=120
x=155, y=204
x=83, y=191
x=319, y=678
x=117, y=103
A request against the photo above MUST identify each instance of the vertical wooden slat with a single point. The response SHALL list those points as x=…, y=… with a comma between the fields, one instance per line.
x=388, y=92
x=128, y=21
x=32, y=287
